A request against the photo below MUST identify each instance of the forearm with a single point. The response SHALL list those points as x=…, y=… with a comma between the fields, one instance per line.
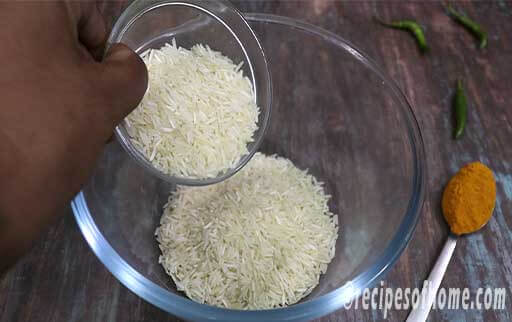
x=24, y=208
x=33, y=191
x=59, y=107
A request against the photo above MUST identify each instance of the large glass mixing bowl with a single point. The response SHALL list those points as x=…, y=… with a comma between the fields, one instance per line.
x=334, y=113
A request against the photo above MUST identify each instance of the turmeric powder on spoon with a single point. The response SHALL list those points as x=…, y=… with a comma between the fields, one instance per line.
x=468, y=199
x=468, y=203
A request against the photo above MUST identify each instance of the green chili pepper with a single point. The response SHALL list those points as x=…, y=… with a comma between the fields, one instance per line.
x=461, y=110
x=469, y=24
x=413, y=27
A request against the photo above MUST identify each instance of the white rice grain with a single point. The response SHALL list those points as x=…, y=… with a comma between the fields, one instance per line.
x=258, y=240
x=207, y=101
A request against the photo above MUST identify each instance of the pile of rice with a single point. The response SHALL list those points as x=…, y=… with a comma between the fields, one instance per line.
x=258, y=240
x=198, y=114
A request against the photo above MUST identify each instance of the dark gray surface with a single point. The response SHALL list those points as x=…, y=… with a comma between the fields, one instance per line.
x=61, y=280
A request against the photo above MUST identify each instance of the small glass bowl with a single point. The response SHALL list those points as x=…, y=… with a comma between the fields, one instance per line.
x=151, y=24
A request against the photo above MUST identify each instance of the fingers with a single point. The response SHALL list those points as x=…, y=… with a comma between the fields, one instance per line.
x=121, y=77
x=123, y=82
x=92, y=30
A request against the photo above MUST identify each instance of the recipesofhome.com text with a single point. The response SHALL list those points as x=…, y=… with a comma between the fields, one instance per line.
x=386, y=298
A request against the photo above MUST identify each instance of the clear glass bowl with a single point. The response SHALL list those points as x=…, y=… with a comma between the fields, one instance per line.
x=150, y=24
x=334, y=113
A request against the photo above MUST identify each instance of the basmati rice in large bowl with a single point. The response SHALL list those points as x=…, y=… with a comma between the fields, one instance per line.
x=258, y=240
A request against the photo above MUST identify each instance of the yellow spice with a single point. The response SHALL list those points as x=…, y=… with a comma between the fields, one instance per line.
x=469, y=197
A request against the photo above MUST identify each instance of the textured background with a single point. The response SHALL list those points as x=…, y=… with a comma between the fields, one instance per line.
x=61, y=279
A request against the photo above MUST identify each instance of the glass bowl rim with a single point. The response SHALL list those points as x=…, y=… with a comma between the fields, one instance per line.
x=129, y=17
x=183, y=307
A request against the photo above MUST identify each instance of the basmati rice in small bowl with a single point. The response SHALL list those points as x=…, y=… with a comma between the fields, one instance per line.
x=198, y=115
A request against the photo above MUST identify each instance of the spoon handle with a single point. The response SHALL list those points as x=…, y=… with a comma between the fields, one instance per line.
x=428, y=294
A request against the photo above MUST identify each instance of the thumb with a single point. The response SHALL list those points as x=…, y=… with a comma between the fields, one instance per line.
x=123, y=81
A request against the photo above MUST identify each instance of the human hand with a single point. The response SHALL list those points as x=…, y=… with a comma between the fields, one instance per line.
x=59, y=108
